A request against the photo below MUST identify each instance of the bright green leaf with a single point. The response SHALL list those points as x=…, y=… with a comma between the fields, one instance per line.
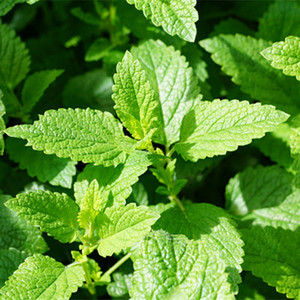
x=265, y=196
x=58, y=171
x=240, y=58
x=273, y=255
x=176, y=17
x=41, y=277
x=280, y=21
x=120, y=286
x=205, y=222
x=35, y=86
x=173, y=82
x=213, y=128
x=256, y=188
x=18, y=233
x=286, y=215
x=55, y=213
x=173, y=267
x=136, y=103
x=126, y=226
x=87, y=135
x=285, y=56
x=9, y=262
x=116, y=181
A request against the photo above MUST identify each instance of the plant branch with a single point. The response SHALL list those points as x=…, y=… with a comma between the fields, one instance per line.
x=117, y=265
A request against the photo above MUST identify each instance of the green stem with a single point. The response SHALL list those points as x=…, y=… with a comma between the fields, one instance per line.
x=169, y=153
x=88, y=279
x=116, y=265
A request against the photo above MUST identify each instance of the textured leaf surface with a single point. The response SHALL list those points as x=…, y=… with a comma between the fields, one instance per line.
x=14, y=65
x=115, y=180
x=41, y=277
x=55, y=213
x=58, y=171
x=273, y=255
x=205, y=222
x=173, y=82
x=285, y=56
x=171, y=265
x=280, y=21
x=18, y=233
x=256, y=188
x=286, y=215
x=136, y=103
x=240, y=58
x=9, y=262
x=213, y=128
x=35, y=86
x=120, y=286
x=266, y=196
x=92, y=89
x=87, y=135
x=126, y=226
x=176, y=17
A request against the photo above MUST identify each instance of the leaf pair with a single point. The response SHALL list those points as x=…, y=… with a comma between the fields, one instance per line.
x=154, y=89
x=109, y=226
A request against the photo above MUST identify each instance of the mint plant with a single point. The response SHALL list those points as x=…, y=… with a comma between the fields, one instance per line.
x=132, y=167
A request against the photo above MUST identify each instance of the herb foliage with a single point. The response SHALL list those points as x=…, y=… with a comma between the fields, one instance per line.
x=149, y=149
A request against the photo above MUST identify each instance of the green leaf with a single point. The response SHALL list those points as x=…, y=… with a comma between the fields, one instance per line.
x=273, y=255
x=99, y=48
x=120, y=286
x=41, y=277
x=86, y=17
x=139, y=194
x=14, y=66
x=280, y=21
x=87, y=135
x=126, y=226
x=285, y=215
x=92, y=89
x=265, y=196
x=276, y=145
x=18, y=233
x=55, y=213
x=172, y=267
x=35, y=86
x=173, y=82
x=240, y=58
x=58, y=171
x=136, y=103
x=205, y=222
x=176, y=17
x=285, y=56
x=231, y=26
x=213, y=128
x=9, y=262
x=256, y=188
x=116, y=181
x=2, y=124
x=7, y=5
